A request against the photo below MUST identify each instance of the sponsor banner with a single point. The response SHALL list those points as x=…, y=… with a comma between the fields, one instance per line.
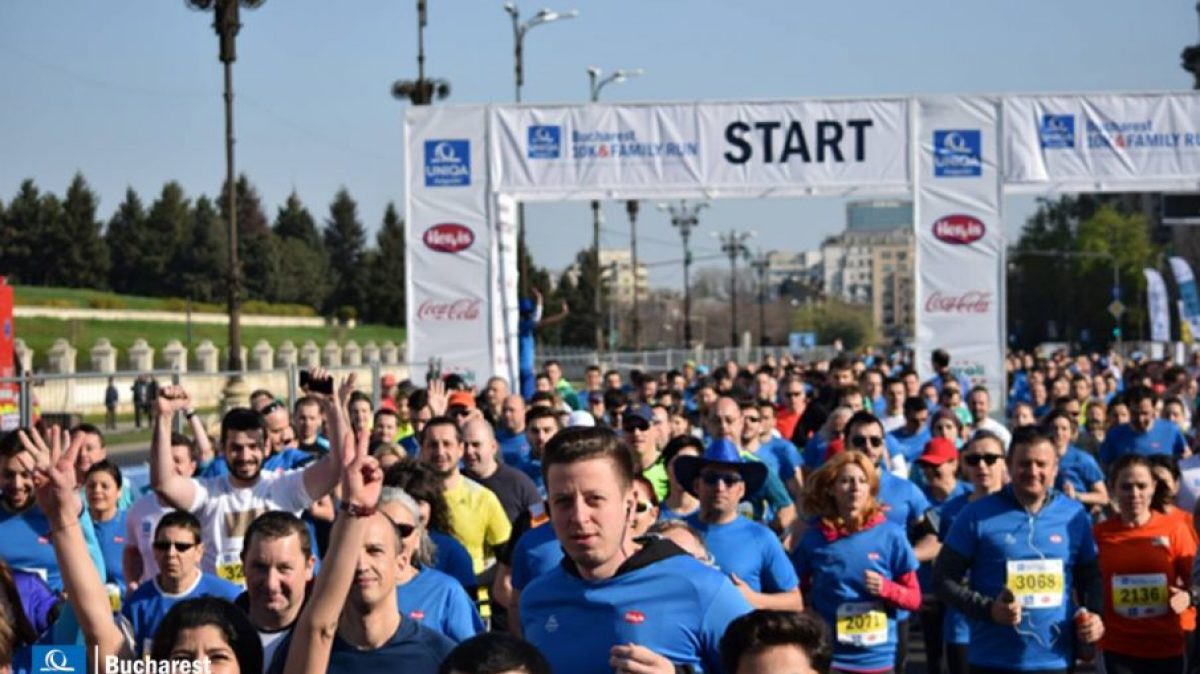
x=505, y=304
x=959, y=244
x=1189, y=299
x=795, y=146
x=1157, y=306
x=1102, y=141
x=450, y=244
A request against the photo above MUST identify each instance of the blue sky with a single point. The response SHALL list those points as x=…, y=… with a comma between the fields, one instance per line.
x=128, y=91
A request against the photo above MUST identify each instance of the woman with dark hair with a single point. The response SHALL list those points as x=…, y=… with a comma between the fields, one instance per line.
x=1079, y=476
x=212, y=628
x=102, y=487
x=1146, y=563
x=857, y=568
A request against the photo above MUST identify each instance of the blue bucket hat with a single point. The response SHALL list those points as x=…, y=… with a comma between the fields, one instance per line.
x=721, y=452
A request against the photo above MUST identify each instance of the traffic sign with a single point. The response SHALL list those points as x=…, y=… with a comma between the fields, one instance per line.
x=1116, y=308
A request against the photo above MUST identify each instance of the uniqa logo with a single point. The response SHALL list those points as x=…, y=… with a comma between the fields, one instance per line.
x=449, y=237
x=959, y=229
x=460, y=310
x=970, y=302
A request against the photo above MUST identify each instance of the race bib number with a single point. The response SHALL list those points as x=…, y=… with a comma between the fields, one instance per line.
x=1037, y=583
x=862, y=624
x=229, y=567
x=1141, y=595
x=114, y=596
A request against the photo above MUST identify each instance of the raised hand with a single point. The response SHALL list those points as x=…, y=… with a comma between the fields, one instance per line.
x=54, y=471
x=439, y=401
x=347, y=387
x=362, y=478
x=172, y=399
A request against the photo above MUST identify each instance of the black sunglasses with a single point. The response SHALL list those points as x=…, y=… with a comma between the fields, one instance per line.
x=405, y=530
x=728, y=479
x=794, y=394
x=642, y=507
x=974, y=460
x=271, y=407
x=180, y=546
x=862, y=440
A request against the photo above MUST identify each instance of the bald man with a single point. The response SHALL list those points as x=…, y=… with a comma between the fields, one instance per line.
x=511, y=434
x=514, y=489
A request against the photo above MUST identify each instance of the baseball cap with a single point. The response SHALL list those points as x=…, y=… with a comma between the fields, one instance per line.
x=462, y=399
x=938, y=451
x=580, y=418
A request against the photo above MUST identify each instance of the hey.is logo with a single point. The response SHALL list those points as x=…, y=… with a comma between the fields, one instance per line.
x=447, y=163
x=544, y=141
x=1057, y=132
x=59, y=660
x=957, y=153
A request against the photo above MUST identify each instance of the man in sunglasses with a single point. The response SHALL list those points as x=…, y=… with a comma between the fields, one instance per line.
x=771, y=502
x=798, y=417
x=638, y=428
x=748, y=551
x=177, y=551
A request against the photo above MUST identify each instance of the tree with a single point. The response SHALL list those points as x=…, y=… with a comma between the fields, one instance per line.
x=85, y=256
x=345, y=240
x=831, y=320
x=200, y=265
x=165, y=227
x=577, y=288
x=385, y=277
x=51, y=239
x=258, y=253
x=127, y=243
x=17, y=233
x=303, y=262
x=295, y=222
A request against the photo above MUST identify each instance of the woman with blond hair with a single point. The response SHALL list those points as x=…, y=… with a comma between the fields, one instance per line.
x=856, y=568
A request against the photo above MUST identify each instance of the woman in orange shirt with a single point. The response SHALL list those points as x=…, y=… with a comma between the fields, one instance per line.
x=1146, y=564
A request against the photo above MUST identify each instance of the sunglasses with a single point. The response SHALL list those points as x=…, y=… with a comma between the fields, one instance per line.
x=863, y=440
x=405, y=530
x=271, y=407
x=642, y=507
x=753, y=420
x=794, y=394
x=180, y=546
x=727, y=479
x=974, y=460
x=459, y=411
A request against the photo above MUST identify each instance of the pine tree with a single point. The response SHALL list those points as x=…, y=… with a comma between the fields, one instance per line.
x=51, y=239
x=258, y=253
x=201, y=262
x=345, y=240
x=303, y=261
x=295, y=222
x=127, y=243
x=164, y=229
x=385, y=290
x=17, y=234
x=86, y=253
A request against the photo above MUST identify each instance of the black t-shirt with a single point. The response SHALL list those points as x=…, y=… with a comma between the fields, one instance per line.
x=514, y=489
x=413, y=649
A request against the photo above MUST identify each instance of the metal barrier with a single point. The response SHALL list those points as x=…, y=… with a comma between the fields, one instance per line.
x=574, y=361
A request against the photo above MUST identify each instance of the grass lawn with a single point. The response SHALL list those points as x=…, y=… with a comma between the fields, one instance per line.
x=39, y=334
x=82, y=298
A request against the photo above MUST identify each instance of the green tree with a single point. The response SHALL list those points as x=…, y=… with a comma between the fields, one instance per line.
x=17, y=234
x=85, y=257
x=303, y=263
x=52, y=239
x=128, y=243
x=577, y=288
x=165, y=228
x=385, y=271
x=295, y=222
x=345, y=240
x=258, y=253
x=852, y=323
x=201, y=263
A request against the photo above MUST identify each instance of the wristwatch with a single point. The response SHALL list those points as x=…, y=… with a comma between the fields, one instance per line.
x=355, y=510
x=188, y=414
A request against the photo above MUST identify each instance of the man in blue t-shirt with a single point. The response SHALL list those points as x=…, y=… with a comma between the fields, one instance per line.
x=510, y=431
x=912, y=436
x=177, y=552
x=613, y=604
x=748, y=551
x=1015, y=561
x=1144, y=434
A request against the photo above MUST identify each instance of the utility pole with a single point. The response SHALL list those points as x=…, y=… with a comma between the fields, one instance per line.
x=421, y=91
x=733, y=244
x=761, y=265
x=631, y=207
x=598, y=281
x=684, y=218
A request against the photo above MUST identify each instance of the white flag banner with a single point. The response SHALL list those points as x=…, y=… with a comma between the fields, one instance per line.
x=1157, y=306
x=1102, y=142
x=1189, y=299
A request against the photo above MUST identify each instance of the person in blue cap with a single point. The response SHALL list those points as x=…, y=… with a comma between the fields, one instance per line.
x=746, y=550
x=613, y=603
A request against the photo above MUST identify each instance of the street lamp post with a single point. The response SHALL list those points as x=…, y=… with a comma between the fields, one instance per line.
x=631, y=207
x=421, y=91
x=595, y=84
x=733, y=244
x=761, y=265
x=227, y=22
x=684, y=217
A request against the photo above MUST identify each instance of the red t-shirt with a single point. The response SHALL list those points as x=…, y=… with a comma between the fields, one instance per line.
x=1139, y=565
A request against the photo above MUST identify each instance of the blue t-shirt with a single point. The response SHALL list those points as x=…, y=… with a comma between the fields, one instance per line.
x=911, y=445
x=25, y=544
x=1079, y=468
x=1163, y=437
x=993, y=533
x=453, y=560
x=956, y=627
x=781, y=456
x=148, y=604
x=749, y=550
x=537, y=551
x=836, y=572
x=514, y=447
x=110, y=536
x=814, y=452
x=440, y=603
x=675, y=606
x=413, y=649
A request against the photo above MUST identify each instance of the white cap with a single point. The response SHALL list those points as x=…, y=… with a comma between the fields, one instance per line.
x=581, y=418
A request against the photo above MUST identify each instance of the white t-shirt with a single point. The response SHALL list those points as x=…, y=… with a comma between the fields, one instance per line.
x=225, y=512
x=140, y=521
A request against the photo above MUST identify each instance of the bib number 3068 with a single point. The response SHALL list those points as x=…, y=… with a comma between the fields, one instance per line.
x=1036, y=583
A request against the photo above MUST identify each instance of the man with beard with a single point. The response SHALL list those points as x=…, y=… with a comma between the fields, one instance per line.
x=278, y=562
x=226, y=505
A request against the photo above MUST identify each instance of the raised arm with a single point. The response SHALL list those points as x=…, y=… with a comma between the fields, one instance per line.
x=176, y=490
x=54, y=485
x=316, y=628
x=199, y=436
x=320, y=477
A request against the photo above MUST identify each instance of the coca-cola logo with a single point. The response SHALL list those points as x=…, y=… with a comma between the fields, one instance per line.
x=458, y=311
x=970, y=302
x=449, y=237
x=959, y=229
